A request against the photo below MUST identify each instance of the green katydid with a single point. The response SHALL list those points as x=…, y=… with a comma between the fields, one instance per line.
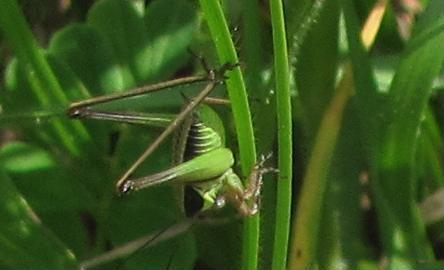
x=201, y=160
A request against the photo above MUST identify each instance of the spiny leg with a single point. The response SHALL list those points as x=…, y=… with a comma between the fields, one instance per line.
x=255, y=179
x=247, y=200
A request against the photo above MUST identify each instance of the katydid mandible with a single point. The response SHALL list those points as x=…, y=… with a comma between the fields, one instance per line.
x=202, y=160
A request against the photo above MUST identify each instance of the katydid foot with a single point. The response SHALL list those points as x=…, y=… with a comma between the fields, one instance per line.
x=247, y=200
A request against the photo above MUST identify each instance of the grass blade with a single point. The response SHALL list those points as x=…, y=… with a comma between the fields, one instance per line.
x=242, y=118
x=282, y=75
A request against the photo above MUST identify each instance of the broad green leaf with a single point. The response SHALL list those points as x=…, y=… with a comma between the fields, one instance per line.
x=148, y=46
x=72, y=85
x=19, y=106
x=38, y=176
x=210, y=240
x=149, y=211
x=343, y=228
x=89, y=56
x=16, y=87
x=24, y=242
x=85, y=58
x=171, y=26
x=76, y=90
x=122, y=27
x=45, y=87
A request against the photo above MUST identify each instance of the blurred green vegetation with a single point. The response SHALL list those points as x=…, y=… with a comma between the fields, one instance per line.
x=371, y=145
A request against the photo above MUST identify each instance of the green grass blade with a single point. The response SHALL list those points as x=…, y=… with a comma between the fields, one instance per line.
x=316, y=82
x=308, y=220
x=391, y=134
x=242, y=117
x=44, y=84
x=396, y=180
x=282, y=75
x=301, y=16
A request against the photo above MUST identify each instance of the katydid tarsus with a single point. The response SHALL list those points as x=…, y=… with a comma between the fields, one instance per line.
x=201, y=160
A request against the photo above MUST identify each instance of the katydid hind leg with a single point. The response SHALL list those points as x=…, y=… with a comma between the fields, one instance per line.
x=198, y=171
x=168, y=131
x=82, y=109
x=215, y=77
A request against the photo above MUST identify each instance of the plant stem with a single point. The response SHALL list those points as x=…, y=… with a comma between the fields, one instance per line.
x=282, y=75
x=242, y=117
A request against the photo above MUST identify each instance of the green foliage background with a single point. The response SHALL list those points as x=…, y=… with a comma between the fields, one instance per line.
x=57, y=199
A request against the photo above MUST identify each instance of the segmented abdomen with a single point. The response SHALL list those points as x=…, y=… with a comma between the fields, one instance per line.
x=201, y=139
